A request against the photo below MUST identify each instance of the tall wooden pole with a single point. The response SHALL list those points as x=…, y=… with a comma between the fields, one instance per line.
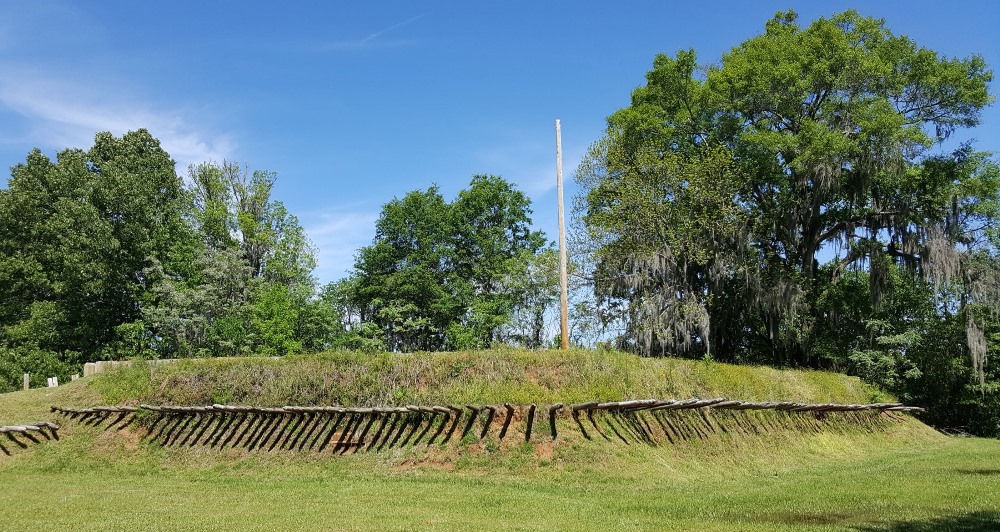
x=563, y=284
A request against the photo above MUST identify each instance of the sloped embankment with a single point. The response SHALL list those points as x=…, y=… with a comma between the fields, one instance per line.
x=428, y=404
x=483, y=377
x=347, y=403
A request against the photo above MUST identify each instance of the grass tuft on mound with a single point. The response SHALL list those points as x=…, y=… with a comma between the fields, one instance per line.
x=481, y=377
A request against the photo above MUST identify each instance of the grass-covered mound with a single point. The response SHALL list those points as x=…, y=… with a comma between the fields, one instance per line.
x=476, y=378
x=903, y=476
x=482, y=377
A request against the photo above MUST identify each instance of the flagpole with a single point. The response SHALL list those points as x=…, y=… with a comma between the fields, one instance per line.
x=563, y=283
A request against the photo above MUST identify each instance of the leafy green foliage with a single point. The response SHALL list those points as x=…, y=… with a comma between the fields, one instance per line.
x=711, y=199
x=106, y=254
x=75, y=236
x=723, y=187
x=443, y=275
x=493, y=245
x=253, y=277
x=39, y=363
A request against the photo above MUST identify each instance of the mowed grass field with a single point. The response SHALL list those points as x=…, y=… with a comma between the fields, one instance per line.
x=902, y=476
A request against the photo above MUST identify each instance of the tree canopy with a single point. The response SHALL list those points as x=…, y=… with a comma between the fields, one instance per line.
x=716, y=190
x=75, y=235
x=107, y=253
x=446, y=275
x=728, y=206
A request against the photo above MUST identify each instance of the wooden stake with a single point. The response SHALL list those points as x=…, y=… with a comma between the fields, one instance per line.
x=563, y=284
x=553, y=410
x=531, y=421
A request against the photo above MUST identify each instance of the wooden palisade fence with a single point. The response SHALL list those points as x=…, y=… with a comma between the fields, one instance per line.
x=17, y=434
x=353, y=429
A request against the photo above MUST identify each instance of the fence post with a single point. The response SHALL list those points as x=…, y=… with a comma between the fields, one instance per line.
x=27, y=381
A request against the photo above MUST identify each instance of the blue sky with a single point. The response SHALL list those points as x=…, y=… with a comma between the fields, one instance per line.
x=355, y=103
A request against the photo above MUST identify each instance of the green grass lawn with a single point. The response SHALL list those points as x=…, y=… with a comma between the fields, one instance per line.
x=902, y=480
x=948, y=483
x=898, y=475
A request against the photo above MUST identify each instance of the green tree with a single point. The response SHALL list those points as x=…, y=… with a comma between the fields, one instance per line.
x=444, y=275
x=672, y=242
x=208, y=314
x=105, y=253
x=232, y=207
x=801, y=139
x=252, y=284
x=75, y=237
x=494, y=246
x=402, y=278
x=537, y=286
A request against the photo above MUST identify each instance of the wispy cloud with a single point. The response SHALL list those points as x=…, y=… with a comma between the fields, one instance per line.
x=373, y=39
x=338, y=235
x=61, y=113
x=379, y=33
x=531, y=165
x=59, y=99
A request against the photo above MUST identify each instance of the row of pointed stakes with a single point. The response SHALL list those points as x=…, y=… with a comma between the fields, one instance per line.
x=298, y=427
x=28, y=432
x=308, y=427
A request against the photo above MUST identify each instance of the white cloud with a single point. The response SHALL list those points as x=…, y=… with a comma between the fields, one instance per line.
x=69, y=89
x=61, y=113
x=338, y=235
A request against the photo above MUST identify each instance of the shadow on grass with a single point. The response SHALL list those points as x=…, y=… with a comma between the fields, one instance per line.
x=826, y=518
x=980, y=472
x=375, y=429
x=975, y=521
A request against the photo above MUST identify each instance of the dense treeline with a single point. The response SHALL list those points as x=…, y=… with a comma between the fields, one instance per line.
x=790, y=205
x=108, y=254
x=458, y=275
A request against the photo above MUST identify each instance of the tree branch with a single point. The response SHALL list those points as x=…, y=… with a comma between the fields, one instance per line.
x=852, y=223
